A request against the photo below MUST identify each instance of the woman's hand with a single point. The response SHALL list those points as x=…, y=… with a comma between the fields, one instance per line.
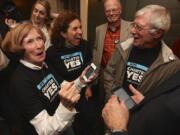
x=69, y=95
x=88, y=92
x=90, y=79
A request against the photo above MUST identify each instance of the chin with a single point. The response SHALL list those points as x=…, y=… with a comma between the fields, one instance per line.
x=77, y=43
x=41, y=59
x=136, y=44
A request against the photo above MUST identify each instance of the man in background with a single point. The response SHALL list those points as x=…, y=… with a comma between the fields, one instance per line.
x=107, y=36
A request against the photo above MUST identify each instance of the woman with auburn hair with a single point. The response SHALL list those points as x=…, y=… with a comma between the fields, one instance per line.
x=44, y=100
x=69, y=55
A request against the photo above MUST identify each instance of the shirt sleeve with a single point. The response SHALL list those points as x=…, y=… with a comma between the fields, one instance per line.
x=52, y=125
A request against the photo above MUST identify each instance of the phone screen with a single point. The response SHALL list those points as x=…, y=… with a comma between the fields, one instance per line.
x=123, y=96
x=89, y=72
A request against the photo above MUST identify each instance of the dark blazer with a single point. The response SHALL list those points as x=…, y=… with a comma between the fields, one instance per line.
x=159, y=112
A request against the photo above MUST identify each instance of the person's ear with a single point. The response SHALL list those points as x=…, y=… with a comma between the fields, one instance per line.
x=157, y=33
x=63, y=34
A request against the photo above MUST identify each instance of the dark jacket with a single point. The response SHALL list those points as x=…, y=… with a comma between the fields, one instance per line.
x=159, y=112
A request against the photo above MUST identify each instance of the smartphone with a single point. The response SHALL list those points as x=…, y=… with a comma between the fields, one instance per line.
x=90, y=71
x=123, y=96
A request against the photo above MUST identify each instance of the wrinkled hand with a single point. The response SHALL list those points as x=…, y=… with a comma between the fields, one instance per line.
x=115, y=114
x=88, y=93
x=11, y=23
x=137, y=96
x=69, y=95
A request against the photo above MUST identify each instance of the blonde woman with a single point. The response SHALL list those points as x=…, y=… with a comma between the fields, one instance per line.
x=45, y=101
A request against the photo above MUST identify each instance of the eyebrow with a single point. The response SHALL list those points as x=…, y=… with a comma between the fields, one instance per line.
x=39, y=10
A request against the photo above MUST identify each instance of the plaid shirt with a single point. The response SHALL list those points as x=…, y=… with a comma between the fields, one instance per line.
x=109, y=45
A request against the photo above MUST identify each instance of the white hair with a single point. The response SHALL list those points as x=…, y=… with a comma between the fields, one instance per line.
x=159, y=16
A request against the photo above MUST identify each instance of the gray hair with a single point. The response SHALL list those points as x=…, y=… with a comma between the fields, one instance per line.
x=159, y=16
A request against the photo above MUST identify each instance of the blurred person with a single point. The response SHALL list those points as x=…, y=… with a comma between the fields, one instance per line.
x=9, y=120
x=155, y=114
x=69, y=55
x=40, y=17
x=3, y=58
x=144, y=61
x=44, y=100
x=5, y=127
x=8, y=10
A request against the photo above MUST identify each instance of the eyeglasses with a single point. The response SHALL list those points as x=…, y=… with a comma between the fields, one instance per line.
x=113, y=11
x=138, y=27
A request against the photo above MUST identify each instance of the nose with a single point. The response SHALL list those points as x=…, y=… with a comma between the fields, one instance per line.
x=36, y=14
x=133, y=30
x=38, y=44
x=80, y=31
x=110, y=12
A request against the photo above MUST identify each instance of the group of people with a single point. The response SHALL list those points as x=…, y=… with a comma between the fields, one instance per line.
x=46, y=82
x=46, y=87
x=148, y=70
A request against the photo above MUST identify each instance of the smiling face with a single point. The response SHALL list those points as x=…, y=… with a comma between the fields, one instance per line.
x=74, y=33
x=34, y=51
x=112, y=9
x=39, y=14
x=141, y=31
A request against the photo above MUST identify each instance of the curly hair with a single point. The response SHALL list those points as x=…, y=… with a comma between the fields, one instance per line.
x=61, y=24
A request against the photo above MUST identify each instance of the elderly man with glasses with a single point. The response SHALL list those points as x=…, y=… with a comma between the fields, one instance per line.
x=144, y=61
x=109, y=34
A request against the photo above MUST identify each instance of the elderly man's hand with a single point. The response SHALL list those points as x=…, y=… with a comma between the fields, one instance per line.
x=69, y=95
x=115, y=114
x=137, y=96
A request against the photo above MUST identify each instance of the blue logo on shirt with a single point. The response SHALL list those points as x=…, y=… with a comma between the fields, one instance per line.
x=135, y=72
x=72, y=61
x=49, y=87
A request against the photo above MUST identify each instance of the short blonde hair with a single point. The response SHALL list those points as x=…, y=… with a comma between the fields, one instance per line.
x=14, y=38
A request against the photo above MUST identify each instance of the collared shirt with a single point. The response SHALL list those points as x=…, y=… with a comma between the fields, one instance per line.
x=32, y=66
x=43, y=122
x=111, y=39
